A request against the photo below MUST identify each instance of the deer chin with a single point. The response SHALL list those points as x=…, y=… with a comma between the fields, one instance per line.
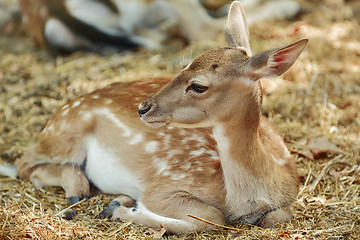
x=190, y=125
x=163, y=123
x=156, y=124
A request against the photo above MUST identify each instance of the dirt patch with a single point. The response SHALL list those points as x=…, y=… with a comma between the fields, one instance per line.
x=315, y=106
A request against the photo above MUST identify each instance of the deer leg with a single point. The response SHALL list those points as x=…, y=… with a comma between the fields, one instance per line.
x=277, y=216
x=42, y=171
x=71, y=178
x=173, y=214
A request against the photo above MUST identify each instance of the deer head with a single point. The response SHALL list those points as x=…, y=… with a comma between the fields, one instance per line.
x=219, y=83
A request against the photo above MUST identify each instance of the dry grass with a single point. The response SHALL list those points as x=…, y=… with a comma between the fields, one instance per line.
x=318, y=100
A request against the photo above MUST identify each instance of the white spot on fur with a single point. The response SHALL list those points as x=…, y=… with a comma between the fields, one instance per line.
x=194, y=137
x=65, y=106
x=95, y=97
x=152, y=147
x=76, y=103
x=106, y=112
x=177, y=177
x=213, y=154
x=86, y=116
x=197, y=153
x=65, y=112
x=108, y=101
x=138, y=138
x=167, y=141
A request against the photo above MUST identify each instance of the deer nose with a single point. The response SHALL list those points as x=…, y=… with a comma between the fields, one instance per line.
x=144, y=107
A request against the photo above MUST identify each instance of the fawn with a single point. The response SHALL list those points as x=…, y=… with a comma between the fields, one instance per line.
x=208, y=151
x=63, y=26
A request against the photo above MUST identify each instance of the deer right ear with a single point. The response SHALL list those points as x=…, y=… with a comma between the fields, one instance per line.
x=236, y=30
x=276, y=61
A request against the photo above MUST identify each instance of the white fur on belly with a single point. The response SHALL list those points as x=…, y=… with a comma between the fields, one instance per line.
x=107, y=171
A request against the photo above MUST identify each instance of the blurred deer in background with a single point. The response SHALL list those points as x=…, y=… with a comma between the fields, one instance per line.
x=208, y=151
x=68, y=25
x=64, y=26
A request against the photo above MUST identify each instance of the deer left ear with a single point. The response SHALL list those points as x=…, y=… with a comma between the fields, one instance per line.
x=236, y=30
x=275, y=62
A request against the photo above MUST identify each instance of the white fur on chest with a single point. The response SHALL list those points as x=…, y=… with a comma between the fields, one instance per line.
x=245, y=194
x=107, y=171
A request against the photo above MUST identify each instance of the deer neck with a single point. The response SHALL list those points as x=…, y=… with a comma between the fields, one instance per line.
x=238, y=137
x=246, y=168
x=238, y=142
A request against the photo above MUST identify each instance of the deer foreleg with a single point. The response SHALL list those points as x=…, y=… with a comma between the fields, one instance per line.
x=174, y=218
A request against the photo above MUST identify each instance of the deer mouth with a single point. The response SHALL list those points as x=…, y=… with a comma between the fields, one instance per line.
x=156, y=121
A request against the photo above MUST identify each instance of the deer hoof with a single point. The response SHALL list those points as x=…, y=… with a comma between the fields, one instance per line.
x=108, y=211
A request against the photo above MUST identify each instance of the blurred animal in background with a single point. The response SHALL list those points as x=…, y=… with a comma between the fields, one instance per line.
x=9, y=10
x=64, y=26
x=67, y=25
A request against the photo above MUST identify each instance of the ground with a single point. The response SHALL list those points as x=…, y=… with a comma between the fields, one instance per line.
x=315, y=106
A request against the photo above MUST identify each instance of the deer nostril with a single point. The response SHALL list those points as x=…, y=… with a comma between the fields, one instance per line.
x=144, y=107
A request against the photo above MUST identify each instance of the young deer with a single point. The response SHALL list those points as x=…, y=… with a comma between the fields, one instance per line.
x=215, y=156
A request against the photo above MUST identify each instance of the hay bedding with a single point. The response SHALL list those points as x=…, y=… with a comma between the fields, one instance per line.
x=315, y=106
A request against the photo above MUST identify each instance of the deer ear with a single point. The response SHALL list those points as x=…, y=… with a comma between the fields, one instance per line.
x=236, y=30
x=276, y=61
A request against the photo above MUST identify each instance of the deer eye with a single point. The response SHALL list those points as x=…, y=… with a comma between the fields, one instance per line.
x=197, y=88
